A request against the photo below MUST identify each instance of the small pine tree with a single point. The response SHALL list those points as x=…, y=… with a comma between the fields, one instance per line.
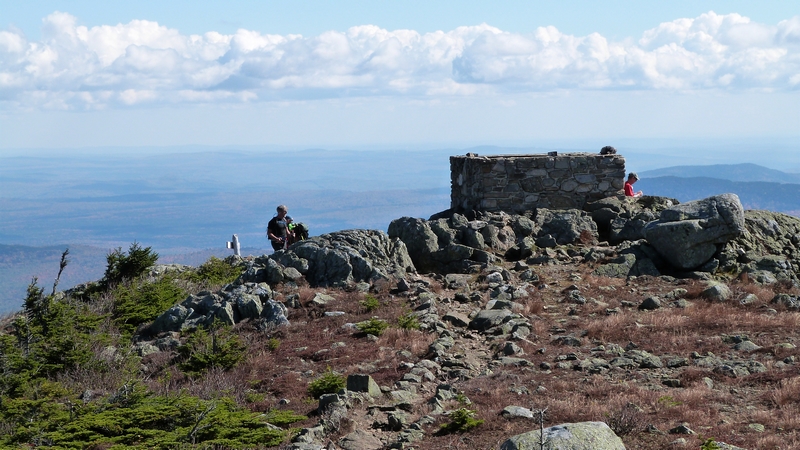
x=217, y=347
x=125, y=266
x=327, y=383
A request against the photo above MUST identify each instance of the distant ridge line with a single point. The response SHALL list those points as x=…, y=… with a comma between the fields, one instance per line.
x=731, y=172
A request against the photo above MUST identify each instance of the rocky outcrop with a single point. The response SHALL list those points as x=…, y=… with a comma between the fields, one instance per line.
x=634, y=259
x=489, y=322
x=770, y=250
x=453, y=243
x=688, y=235
x=345, y=257
x=431, y=251
x=231, y=305
x=560, y=227
x=568, y=436
x=335, y=259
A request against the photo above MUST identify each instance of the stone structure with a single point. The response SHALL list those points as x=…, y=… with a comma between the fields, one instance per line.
x=518, y=183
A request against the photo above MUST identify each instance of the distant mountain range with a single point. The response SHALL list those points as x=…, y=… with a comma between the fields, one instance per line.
x=757, y=187
x=779, y=197
x=731, y=172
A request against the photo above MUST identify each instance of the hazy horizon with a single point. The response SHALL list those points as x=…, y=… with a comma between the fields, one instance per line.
x=98, y=197
x=186, y=205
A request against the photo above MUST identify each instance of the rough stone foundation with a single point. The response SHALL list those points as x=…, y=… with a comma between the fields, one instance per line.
x=518, y=183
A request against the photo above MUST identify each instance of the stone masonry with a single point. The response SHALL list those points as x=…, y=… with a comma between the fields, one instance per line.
x=518, y=183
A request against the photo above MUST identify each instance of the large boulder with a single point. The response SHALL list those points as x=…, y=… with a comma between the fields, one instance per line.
x=687, y=235
x=568, y=436
x=560, y=227
x=440, y=245
x=345, y=257
x=420, y=240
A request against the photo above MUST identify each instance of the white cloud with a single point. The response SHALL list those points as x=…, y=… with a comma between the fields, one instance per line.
x=143, y=62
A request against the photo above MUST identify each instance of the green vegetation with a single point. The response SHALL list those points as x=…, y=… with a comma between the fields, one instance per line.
x=408, y=321
x=58, y=348
x=373, y=326
x=50, y=336
x=131, y=418
x=273, y=344
x=215, y=272
x=461, y=421
x=204, y=350
x=137, y=302
x=709, y=444
x=327, y=383
x=126, y=266
x=668, y=401
x=281, y=418
x=370, y=303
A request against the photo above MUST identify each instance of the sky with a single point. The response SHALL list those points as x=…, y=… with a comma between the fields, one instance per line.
x=109, y=74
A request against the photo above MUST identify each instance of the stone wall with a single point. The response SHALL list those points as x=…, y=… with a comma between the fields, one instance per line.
x=517, y=183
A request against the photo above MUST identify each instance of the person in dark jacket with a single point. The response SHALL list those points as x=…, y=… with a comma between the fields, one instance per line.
x=278, y=229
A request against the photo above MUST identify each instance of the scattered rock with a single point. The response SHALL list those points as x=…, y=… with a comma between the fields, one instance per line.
x=717, y=292
x=681, y=429
x=363, y=383
x=650, y=304
x=510, y=412
x=486, y=319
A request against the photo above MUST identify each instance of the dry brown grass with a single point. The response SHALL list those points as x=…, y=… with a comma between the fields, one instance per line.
x=311, y=345
x=415, y=341
x=787, y=392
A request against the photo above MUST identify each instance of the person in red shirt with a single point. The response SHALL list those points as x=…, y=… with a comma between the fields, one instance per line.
x=632, y=178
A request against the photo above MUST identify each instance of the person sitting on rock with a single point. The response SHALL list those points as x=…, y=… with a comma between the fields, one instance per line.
x=278, y=230
x=632, y=178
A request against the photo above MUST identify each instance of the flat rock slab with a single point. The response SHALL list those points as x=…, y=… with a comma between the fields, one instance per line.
x=568, y=436
x=360, y=440
x=489, y=318
x=457, y=319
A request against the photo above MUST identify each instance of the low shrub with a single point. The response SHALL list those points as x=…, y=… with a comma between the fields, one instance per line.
x=328, y=383
x=139, y=301
x=370, y=303
x=626, y=420
x=461, y=421
x=218, y=347
x=408, y=321
x=373, y=326
x=215, y=271
x=136, y=418
x=281, y=418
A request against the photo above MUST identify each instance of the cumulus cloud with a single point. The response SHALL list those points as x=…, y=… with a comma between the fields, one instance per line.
x=143, y=62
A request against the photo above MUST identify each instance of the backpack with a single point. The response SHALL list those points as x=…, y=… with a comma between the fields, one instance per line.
x=300, y=231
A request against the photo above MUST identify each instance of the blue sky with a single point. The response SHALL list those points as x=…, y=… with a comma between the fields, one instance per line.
x=361, y=73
